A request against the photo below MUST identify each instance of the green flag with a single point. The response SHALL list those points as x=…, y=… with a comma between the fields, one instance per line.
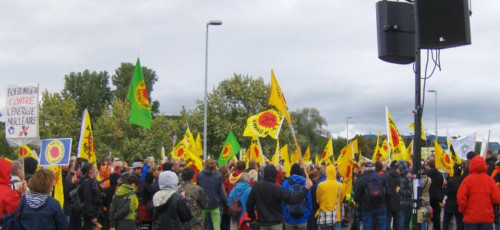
x=231, y=148
x=140, y=110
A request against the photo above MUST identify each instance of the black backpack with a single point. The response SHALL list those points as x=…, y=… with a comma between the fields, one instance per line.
x=120, y=206
x=296, y=210
x=375, y=192
x=76, y=201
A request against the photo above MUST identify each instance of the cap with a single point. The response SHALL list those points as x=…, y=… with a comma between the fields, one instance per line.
x=136, y=165
x=368, y=164
x=123, y=178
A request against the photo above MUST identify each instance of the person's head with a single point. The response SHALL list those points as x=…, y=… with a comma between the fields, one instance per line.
x=168, y=180
x=167, y=166
x=119, y=165
x=137, y=168
x=133, y=181
x=471, y=155
x=88, y=170
x=296, y=170
x=42, y=181
x=252, y=164
x=245, y=177
x=210, y=164
x=149, y=161
x=457, y=170
x=176, y=165
x=30, y=165
x=368, y=167
x=17, y=169
x=113, y=179
x=224, y=172
x=187, y=174
x=241, y=165
x=331, y=172
x=314, y=175
x=378, y=166
x=270, y=173
x=431, y=163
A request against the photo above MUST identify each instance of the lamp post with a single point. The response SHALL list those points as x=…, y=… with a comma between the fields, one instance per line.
x=436, y=109
x=205, y=99
x=347, y=136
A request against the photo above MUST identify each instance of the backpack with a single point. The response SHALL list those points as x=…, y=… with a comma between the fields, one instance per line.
x=375, y=192
x=75, y=199
x=12, y=220
x=120, y=206
x=235, y=208
x=296, y=210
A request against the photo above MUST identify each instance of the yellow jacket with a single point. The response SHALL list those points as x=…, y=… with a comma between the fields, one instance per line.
x=326, y=195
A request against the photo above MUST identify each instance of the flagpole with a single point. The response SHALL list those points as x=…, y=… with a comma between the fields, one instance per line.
x=300, y=151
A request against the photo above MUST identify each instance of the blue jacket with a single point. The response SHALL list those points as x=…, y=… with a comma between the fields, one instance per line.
x=360, y=189
x=145, y=170
x=41, y=211
x=211, y=183
x=296, y=179
x=241, y=191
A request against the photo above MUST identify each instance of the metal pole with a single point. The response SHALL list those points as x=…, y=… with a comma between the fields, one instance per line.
x=205, y=98
x=347, y=136
x=417, y=197
x=436, y=106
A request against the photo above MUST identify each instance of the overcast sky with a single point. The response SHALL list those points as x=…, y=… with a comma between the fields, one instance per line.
x=324, y=54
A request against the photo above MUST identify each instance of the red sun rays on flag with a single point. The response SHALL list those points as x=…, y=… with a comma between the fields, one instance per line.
x=180, y=152
x=394, y=136
x=268, y=120
x=323, y=154
x=348, y=171
x=447, y=159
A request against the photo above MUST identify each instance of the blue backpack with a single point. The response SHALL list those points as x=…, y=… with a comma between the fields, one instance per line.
x=296, y=210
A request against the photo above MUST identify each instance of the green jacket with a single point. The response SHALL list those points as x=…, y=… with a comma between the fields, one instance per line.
x=134, y=203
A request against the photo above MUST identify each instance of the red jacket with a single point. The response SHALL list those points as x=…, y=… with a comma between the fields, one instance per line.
x=477, y=193
x=233, y=179
x=9, y=199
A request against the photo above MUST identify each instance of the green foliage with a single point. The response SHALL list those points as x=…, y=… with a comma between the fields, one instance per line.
x=90, y=90
x=121, y=80
x=309, y=125
x=59, y=118
x=5, y=149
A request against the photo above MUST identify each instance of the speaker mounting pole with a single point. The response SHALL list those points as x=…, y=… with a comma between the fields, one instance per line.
x=417, y=181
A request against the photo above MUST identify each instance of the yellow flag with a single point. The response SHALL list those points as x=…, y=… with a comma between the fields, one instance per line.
x=199, y=147
x=193, y=161
x=454, y=157
x=275, y=160
x=316, y=159
x=346, y=165
x=278, y=99
x=286, y=160
x=307, y=155
x=58, y=193
x=254, y=152
x=25, y=151
x=442, y=159
x=179, y=150
x=376, y=153
x=86, y=145
x=327, y=154
x=409, y=150
x=191, y=143
x=296, y=157
x=267, y=123
x=350, y=148
x=422, y=134
x=396, y=144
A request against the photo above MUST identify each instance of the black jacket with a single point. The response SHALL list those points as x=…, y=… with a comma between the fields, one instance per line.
x=173, y=214
x=211, y=183
x=490, y=162
x=451, y=189
x=266, y=198
x=90, y=195
x=436, y=190
x=394, y=180
x=360, y=195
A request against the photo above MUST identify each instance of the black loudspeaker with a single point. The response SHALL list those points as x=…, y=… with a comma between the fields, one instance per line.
x=443, y=23
x=396, y=32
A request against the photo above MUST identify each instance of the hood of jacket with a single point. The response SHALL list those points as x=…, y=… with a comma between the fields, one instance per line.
x=403, y=167
x=5, y=168
x=241, y=187
x=331, y=172
x=270, y=173
x=297, y=179
x=168, y=180
x=235, y=176
x=161, y=197
x=124, y=190
x=207, y=172
x=36, y=200
x=477, y=165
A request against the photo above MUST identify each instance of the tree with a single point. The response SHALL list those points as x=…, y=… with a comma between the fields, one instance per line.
x=59, y=118
x=90, y=90
x=310, y=129
x=5, y=149
x=121, y=80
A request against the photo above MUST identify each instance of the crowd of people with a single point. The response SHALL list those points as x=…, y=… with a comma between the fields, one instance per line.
x=246, y=195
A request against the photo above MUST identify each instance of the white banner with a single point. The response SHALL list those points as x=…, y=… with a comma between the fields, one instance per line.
x=464, y=145
x=21, y=123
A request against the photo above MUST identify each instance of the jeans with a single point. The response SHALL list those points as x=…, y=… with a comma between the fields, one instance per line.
x=406, y=214
x=484, y=226
x=458, y=220
x=497, y=226
x=378, y=215
x=336, y=226
x=214, y=217
x=296, y=226
x=272, y=227
x=396, y=217
x=312, y=222
x=436, y=210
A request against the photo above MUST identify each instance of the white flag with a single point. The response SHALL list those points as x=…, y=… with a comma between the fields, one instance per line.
x=484, y=145
x=464, y=145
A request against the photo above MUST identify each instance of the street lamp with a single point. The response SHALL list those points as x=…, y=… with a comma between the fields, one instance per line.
x=205, y=99
x=436, y=109
x=347, y=136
